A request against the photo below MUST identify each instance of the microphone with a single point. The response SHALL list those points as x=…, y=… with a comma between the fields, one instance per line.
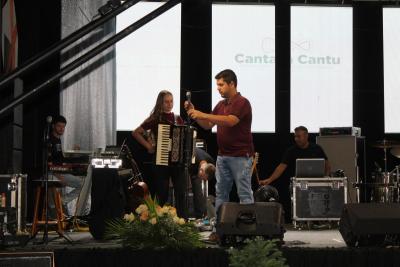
x=188, y=99
x=49, y=119
x=188, y=96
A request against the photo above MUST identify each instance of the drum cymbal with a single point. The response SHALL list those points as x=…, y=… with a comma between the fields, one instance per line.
x=395, y=152
x=386, y=144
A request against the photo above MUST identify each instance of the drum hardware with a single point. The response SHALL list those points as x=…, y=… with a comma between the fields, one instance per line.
x=385, y=145
x=385, y=186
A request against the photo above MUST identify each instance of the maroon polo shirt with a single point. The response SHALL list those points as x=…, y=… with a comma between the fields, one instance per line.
x=236, y=141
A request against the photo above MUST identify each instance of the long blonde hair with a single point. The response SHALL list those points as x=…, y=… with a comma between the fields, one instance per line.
x=156, y=113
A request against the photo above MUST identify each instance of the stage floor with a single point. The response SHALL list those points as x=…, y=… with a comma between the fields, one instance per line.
x=314, y=238
x=292, y=238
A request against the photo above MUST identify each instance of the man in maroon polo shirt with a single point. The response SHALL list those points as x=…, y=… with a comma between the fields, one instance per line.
x=233, y=116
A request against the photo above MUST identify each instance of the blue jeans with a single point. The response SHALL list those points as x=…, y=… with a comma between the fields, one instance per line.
x=69, y=180
x=76, y=183
x=229, y=170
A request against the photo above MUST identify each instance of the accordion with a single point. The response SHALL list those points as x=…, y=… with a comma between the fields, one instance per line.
x=175, y=145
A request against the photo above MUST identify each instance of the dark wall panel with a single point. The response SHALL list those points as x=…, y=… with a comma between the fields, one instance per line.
x=368, y=93
x=39, y=26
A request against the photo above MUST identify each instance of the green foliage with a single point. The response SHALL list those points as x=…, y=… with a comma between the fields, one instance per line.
x=257, y=253
x=154, y=227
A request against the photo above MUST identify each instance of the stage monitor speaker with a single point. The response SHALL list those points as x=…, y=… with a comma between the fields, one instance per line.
x=370, y=224
x=108, y=200
x=258, y=219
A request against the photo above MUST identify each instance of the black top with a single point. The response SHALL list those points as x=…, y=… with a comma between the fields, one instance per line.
x=200, y=155
x=295, y=152
x=56, y=155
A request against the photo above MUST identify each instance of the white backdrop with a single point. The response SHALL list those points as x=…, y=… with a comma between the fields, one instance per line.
x=391, y=45
x=322, y=67
x=148, y=61
x=243, y=39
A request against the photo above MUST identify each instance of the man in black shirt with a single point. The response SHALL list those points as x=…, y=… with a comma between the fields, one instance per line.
x=202, y=170
x=56, y=157
x=302, y=149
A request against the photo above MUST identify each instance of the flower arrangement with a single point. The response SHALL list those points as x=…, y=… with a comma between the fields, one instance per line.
x=153, y=226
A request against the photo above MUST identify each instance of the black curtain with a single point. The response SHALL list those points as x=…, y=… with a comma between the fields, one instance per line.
x=39, y=26
x=368, y=93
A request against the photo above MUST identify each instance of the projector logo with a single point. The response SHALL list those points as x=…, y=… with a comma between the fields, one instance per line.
x=300, y=50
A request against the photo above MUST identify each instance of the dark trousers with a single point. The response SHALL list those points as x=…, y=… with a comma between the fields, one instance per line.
x=161, y=176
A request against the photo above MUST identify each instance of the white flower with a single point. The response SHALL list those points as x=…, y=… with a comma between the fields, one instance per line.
x=129, y=217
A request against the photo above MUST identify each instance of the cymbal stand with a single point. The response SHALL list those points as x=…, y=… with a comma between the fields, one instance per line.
x=385, y=158
x=397, y=185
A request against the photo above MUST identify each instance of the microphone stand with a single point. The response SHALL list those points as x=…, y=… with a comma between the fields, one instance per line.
x=188, y=150
x=187, y=158
x=46, y=152
x=45, y=180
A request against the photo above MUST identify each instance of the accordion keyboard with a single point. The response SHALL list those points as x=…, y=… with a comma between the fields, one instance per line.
x=163, y=144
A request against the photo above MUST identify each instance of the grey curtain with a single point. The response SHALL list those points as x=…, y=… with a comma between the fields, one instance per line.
x=88, y=94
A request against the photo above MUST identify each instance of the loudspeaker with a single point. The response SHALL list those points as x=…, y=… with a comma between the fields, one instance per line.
x=370, y=224
x=258, y=219
x=108, y=200
x=347, y=153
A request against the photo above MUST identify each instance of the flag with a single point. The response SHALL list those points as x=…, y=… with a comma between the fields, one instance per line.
x=9, y=37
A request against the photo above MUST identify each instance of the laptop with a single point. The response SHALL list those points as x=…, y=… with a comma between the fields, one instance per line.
x=310, y=168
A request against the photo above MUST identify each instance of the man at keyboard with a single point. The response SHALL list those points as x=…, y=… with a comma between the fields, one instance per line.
x=162, y=114
x=56, y=159
x=302, y=149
